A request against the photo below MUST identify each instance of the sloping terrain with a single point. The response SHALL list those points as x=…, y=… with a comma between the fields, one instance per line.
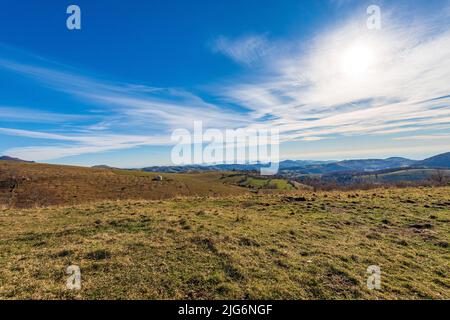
x=406, y=175
x=376, y=164
x=361, y=165
x=255, y=182
x=439, y=161
x=7, y=158
x=27, y=185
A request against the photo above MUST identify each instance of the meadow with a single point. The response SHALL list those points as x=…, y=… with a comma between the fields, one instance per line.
x=223, y=242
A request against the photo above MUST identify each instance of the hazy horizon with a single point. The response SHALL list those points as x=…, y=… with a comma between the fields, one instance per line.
x=209, y=164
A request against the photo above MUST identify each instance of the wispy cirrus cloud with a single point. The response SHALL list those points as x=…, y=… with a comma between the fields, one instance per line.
x=243, y=50
x=71, y=144
x=155, y=106
x=356, y=81
x=424, y=137
x=20, y=114
x=125, y=115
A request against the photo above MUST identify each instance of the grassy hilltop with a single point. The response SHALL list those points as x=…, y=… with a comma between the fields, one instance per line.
x=224, y=243
x=44, y=185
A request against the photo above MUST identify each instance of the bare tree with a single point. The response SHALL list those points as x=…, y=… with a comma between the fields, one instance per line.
x=439, y=177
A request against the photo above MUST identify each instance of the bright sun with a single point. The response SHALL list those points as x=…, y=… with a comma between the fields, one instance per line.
x=356, y=60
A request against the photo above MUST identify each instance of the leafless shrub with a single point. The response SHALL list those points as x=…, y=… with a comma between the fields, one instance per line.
x=318, y=184
x=439, y=178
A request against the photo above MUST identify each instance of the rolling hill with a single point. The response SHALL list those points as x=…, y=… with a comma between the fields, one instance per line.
x=439, y=161
x=31, y=184
x=319, y=167
x=28, y=184
x=8, y=158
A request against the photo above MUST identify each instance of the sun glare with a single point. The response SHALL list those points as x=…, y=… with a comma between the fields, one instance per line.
x=356, y=60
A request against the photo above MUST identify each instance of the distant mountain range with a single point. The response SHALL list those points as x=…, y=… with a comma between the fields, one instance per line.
x=306, y=166
x=321, y=167
x=7, y=158
x=439, y=161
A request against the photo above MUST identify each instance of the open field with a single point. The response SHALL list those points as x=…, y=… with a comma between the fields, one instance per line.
x=250, y=246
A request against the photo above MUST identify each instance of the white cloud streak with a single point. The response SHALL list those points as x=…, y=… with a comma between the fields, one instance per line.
x=402, y=85
x=150, y=112
x=19, y=114
x=244, y=50
x=79, y=144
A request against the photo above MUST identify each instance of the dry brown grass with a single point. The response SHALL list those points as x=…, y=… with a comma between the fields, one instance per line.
x=304, y=246
x=43, y=185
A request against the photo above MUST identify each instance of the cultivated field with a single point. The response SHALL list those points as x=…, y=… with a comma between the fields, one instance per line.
x=233, y=245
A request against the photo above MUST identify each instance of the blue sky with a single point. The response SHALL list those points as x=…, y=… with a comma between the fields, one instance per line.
x=112, y=92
